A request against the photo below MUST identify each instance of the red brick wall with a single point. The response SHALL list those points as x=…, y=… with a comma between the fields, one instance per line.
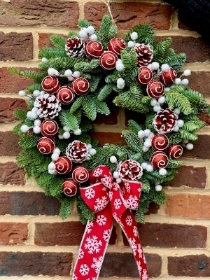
x=33, y=239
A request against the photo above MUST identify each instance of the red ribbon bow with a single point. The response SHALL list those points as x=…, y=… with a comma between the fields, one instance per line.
x=108, y=200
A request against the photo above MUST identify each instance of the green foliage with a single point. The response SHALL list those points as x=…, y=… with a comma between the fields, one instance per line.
x=58, y=41
x=66, y=207
x=27, y=74
x=69, y=120
x=104, y=92
x=134, y=126
x=84, y=212
x=132, y=140
x=145, y=34
x=106, y=31
x=178, y=100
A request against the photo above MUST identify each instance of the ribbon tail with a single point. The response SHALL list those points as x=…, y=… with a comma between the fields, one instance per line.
x=93, y=246
x=129, y=226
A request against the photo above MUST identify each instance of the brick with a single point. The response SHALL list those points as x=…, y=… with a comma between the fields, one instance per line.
x=12, y=83
x=124, y=265
x=44, y=40
x=126, y=15
x=62, y=234
x=13, y=233
x=16, y=46
x=188, y=205
x=8, y=106
x=28, y=203
x=131, y=115
x=108, y=137
x=200, y=149
x=190, y=265
x=205, y=117
x=193, y=177
x=11, y=174
x=55, y=13
x=35, y=263
x=9, y=144
x=172, y=235
x=199, y=81
x=201, y=50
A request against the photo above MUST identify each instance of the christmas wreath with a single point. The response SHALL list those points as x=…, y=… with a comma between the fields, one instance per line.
x=76, y=77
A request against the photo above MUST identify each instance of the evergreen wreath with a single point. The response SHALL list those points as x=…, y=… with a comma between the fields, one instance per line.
x=76, y=77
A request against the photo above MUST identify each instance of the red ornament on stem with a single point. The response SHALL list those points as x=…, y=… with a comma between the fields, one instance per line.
x=159, y=160
x=160, y=142
x=168, y=77
x=80, y=174
x=108, y=60
x=50, y=84
x=116, y=45
x=175, y=151
x=45, y=145
x=80, y=86
x=49, y=128
x=155, y=89
x=63, y=165
x=70, y=187
x=65, y=95
x=145, y=75
x=93, y=49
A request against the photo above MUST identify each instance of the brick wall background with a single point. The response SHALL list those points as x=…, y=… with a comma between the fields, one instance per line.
x=34, y=242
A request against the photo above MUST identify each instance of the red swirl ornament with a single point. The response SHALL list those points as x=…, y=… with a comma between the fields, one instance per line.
x=145, y=75
x=80, y=86
x=108, y=60
x=175, y=151
x=65, y=95
x=155, y=89
x=63, y=165
x=70, y=187
x=45, y=145
x=80, y=174
x=165, y=121
x=116, y=45
x=130, y=170
x=93, y=49
x=168, y=77
x=160, y=142
x=50, y=84
x=49, y=128
x=159, y=160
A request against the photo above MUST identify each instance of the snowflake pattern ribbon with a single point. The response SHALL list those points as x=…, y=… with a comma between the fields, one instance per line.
x=108, y=200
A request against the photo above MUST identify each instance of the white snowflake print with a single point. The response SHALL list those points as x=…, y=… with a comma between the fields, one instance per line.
x=97, y=264
x=129, y=220
x=90, y=193
x=132, y=202
x=97, y=172
x=84, y=269
x=117, y=203
x=101, y=220
x=139, y=266
x=117, y=219
x=133, y=245
x=74, y=277
x=135, y=231
x=101, y=203
x=107, y=181
x=127, y=187
x=139, y=250
x=145, y=275
x=116, y=187
x=92, y=244
x=110, y=195
x=106, y=235
x=81, y=254
x=89, y=226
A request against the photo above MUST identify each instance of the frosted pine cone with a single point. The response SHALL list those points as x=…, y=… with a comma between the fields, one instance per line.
x=77, y=151
x=144, y=54
x=165, y=121
x=130, y=170
x=48, y=106
x=75, y=47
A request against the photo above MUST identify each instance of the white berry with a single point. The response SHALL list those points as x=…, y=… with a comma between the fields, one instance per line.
x=116, y=174
x=92, y=152
x=36, y=93
x=134, y=36
x=83, y=33
x=118, y=180
x=21, y=93
x=141, y=134
x=51, y=166
x=149, y=168
x=113, y=159
x=161, y=100
x=158, y=188
x=120, y=66
x=66, y=135
x=147, y=132
x=68, y=73
x=24, y=128
x=55, y=157
x=131, y=44
x=187, y=72
x=37, y=122
x=155, y=65
x=162, y=171
x=180, y=123
x=36, y=129
x=157, y=108
x=76, y=74
x=165, y=67
x=51, y=72
x=189, y=146
x=178, y=81
x=144, y=165
x=57, y=151
x=145, y=149
x=153, y=102
x=93, y=37
x=77, y=131
x=90, y=29
x=177, y=111
x=185, y=82
x=44, y=59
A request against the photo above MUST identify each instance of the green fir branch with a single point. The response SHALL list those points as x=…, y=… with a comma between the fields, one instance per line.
x=66, y=207
x=85, y=214
x=58, y=41
x=133, y=141
x=105, y=92
x=68, y=119
x=178, y=100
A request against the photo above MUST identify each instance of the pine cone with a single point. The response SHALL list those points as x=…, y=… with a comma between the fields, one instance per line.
x=165, y=121
x=48, y=106
x=77, y=151
x=75, y=47
x=144, y=54
x=130, y=170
